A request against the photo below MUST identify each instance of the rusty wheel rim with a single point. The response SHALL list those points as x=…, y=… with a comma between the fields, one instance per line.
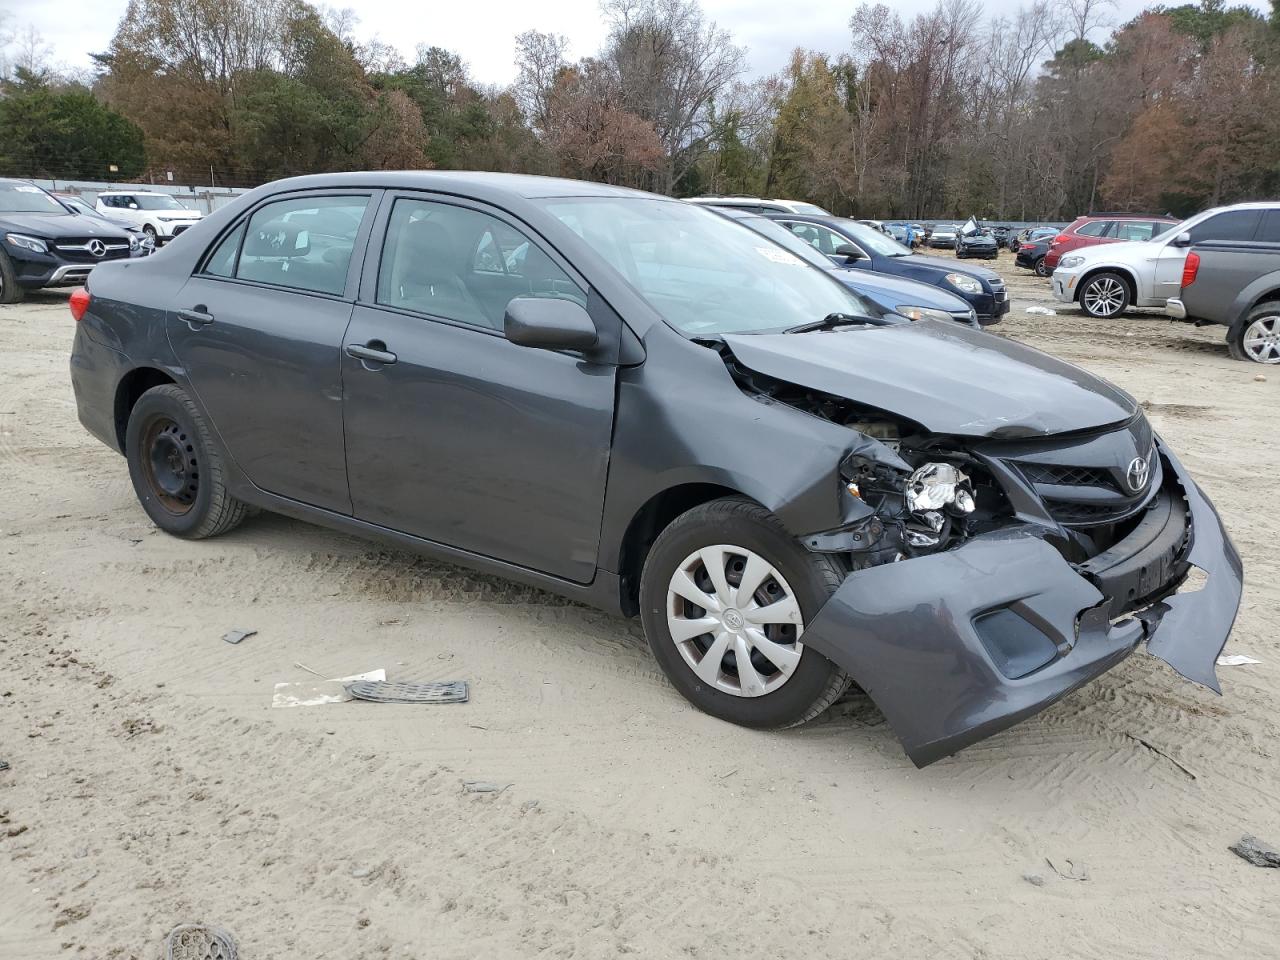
x=170, y=466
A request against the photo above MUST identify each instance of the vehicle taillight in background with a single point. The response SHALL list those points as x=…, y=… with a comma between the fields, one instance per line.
x=79, y=303
x=1060, y=238
x=1190, y=269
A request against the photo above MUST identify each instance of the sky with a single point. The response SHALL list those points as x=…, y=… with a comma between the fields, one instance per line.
x=483, y=32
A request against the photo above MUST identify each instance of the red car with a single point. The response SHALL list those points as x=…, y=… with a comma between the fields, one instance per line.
x=1104, y=228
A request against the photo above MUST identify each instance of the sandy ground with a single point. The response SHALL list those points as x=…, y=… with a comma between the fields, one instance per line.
x=153, y=785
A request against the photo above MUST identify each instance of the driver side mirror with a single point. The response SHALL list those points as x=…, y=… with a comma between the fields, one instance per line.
x=849, y=252
x=549, y=324
x=1182, y=240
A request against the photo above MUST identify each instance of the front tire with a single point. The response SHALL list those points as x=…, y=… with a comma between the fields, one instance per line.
x=1104, y=295
x=10, y=290
x=726, y=585
x=1257, y=339
x=176, y=468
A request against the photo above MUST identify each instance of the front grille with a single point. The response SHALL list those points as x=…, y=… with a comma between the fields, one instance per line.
x=76, y=250
x=179, y=227
x=1069, y=476
x=999, y=290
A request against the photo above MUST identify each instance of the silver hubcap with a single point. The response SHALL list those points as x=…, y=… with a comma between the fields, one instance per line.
x=1262, y=340
x=735, y=620
x=1104, y=297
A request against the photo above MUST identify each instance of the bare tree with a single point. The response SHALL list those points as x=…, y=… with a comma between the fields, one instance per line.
x=540, y=58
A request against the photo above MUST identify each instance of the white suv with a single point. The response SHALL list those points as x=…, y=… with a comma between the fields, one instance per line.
x=159, y=215
x=1108, y=279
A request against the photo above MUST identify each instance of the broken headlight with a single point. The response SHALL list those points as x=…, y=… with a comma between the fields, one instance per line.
x=931, y=492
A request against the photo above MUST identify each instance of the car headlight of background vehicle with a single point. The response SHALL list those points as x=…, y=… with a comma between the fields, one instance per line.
x=964, y=283
x=1069, y=262
x=34, y=244
x=923, y=313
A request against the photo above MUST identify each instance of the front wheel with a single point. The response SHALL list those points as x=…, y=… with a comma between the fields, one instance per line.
x=725, y=595
x=1104, y=295
x=176, y=468
x=1258, y=338
x=10, y=290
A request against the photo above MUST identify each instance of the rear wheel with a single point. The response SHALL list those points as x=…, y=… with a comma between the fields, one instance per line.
x=1258, y=338
x=1104, y=295
x=1040, y=268
x=176, y=467
x=10, y=290
x=725, y=597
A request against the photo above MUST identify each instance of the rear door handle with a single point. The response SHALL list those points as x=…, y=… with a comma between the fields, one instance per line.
x=375, y=351
x=198, y=316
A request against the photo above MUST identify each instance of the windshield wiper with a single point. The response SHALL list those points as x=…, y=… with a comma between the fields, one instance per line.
x=830, y=321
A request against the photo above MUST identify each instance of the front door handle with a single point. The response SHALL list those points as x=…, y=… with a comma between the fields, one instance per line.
x=197, y=317
x=375, y=351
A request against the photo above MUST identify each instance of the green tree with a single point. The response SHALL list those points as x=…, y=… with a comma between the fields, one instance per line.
x=64, y=133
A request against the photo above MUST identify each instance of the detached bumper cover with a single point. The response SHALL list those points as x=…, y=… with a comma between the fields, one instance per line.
x=912, y=634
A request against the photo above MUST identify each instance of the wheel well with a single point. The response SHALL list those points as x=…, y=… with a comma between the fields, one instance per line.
x=650, y=520
x=132, y=386
x=1120, y=272
x=1271, y=297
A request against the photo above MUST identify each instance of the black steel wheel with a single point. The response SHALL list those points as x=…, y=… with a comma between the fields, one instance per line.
x=176, y=467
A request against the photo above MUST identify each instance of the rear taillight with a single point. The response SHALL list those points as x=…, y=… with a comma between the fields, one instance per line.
x=1190, y=269
x=79, y=303
x=1060, y=238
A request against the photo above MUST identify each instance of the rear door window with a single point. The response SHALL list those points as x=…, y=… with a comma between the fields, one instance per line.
x=1228, y=225
x=1095, y=228
x=304, y=243
x=1269, y=231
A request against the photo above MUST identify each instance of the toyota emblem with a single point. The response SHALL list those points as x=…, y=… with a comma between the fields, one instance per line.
x=1138, y=474
x=97, y=247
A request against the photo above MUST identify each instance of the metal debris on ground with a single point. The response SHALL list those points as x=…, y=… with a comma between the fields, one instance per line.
x=196, y=941
x=1235, y=660
x=235, y=636
x=1256, y=852
x=311, y=693
x=398, y=691
x=4, y=764
x=483, y=786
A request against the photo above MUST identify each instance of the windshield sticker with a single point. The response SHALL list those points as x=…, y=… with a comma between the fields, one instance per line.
x=778, y=255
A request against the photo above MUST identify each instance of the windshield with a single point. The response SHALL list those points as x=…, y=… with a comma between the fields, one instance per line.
x=808, y=209
x=27, y=198
x=704, y=274
x=869, y=238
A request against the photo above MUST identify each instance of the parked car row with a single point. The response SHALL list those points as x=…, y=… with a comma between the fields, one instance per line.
x=55, y=240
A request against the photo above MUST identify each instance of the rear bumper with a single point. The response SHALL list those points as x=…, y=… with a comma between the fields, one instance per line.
x=1173, y=307
x=957, y=646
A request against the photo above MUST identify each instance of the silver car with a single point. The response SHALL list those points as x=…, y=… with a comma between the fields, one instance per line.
x=1107, y=280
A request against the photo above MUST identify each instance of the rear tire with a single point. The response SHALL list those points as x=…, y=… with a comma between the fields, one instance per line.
x=1104, y=296
x=10, y=290
x=176, y=467
x=768, y=695
x=1039, y=267
x=1257, y=338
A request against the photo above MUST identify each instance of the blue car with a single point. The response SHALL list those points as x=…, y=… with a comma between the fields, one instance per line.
x=852, y=246
x=911, y=299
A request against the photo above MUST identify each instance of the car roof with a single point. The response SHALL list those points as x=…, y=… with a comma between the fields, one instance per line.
x=527, y=186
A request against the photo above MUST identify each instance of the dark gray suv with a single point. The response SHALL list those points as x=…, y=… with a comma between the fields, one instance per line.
x=636, y=403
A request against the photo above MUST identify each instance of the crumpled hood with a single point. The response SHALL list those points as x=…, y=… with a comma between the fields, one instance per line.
x=949, y=378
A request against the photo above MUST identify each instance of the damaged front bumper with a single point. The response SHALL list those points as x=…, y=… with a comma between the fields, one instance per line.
x=956, y=646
